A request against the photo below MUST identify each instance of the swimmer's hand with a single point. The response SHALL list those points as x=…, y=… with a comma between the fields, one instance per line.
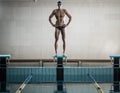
x=54, y=25
x=64, y=25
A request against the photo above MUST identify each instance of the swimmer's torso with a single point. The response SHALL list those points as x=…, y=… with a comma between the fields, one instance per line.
x=59, y=14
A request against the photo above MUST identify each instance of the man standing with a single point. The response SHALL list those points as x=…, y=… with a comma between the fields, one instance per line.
x=59, y=25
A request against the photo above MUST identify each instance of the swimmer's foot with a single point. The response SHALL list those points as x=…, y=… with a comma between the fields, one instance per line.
x=64, y=55
x=55, y=56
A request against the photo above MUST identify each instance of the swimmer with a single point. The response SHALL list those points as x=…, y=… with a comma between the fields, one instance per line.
x=60, y=26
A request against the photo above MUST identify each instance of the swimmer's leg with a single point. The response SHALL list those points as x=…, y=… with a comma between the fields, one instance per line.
x=63, y=39
x=57, y=32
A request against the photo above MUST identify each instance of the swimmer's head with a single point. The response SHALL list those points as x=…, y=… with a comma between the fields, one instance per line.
x=59, y=3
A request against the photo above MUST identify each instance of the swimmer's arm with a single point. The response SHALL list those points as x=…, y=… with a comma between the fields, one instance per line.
x=69, y=16
x=50, y=17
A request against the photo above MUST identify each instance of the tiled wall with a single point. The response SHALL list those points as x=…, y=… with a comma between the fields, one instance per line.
x=48, y=74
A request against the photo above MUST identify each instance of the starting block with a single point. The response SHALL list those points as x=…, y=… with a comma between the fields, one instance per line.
x=60, y=57
x=60, y=73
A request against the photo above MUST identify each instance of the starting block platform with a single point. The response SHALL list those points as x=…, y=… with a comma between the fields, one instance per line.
x=5, y=56
x=60, y=56
x=115, y=56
